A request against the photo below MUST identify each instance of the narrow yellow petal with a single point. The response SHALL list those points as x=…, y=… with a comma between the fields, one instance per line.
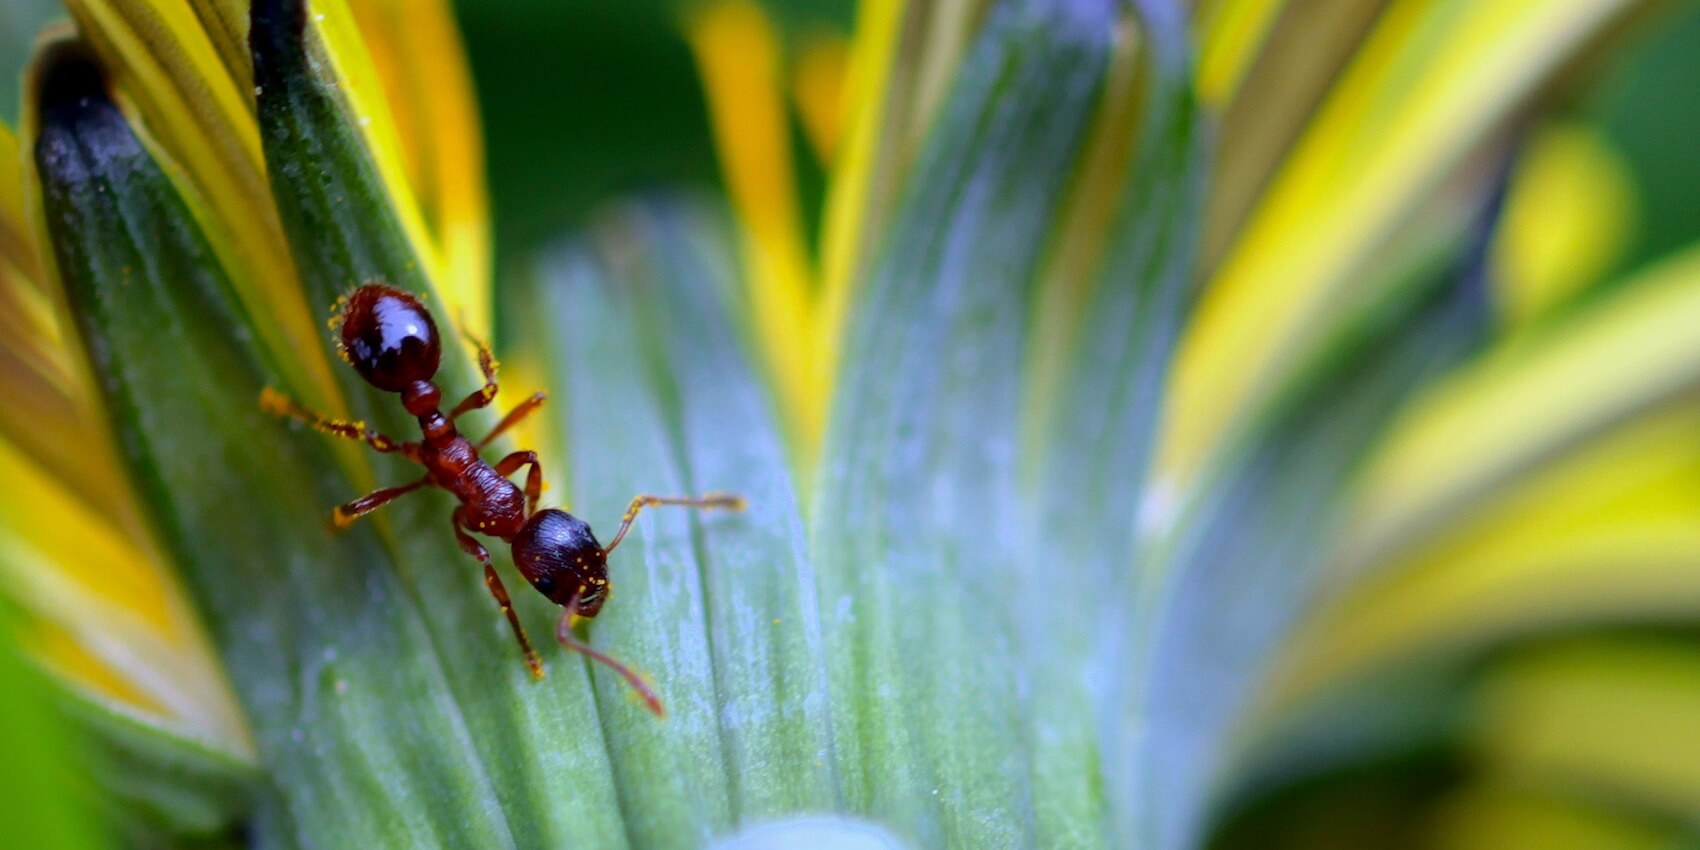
x=1609, y=533
x=902, y=61
x=854, y=201
x=738, y=57
x=226, y=24
x=17, y=246
x=1527, y=401
x=352, y=70
x=1274, y=94
x=1567, y=219
x=1231, y=34
x=92, y=581
x=1497, y=816
x=46, y=411
x=402, y=68
x=1405, y=116
x=1611, y=717
x=420, y=61
x=817, y=89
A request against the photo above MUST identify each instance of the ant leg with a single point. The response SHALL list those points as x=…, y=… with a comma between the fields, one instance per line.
x=564, y=634
x=482, y=396
x=345, y=515
x=533, y=477
x=520, y=411
x=498, y=590
x=725, y=501
x=278, y=404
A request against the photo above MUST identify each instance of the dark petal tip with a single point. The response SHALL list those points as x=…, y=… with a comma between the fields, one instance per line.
x=70, y=79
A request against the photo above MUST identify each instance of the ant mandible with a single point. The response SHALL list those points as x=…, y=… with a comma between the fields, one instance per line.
x=391, y=340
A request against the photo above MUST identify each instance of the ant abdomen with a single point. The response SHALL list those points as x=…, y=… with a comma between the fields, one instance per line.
x=559, y=555
x=389, y=337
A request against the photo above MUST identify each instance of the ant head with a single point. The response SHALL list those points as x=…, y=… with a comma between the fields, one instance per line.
x=559, y=555
x=389, y=337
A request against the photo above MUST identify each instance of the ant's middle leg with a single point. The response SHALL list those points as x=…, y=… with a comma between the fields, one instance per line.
x=278, y=404
x=533, y=477
x=520, y=411
x=724, y=501
x=345, y=515
x=497, y=589
x=482, y=396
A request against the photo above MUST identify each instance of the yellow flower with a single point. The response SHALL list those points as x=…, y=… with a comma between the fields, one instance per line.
x=1132, y=420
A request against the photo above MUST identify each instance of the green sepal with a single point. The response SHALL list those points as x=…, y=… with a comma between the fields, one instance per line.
x=934, y=585
x=160, y=784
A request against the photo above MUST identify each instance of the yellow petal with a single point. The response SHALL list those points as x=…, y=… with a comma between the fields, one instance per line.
x=738, y=57
x=85, y=579
x=861, y=185
x=1610, y=717
x=1497, y=816
x=17, y=245
x=47, y=411
x=1528, y=401
x=1431, y=84
x=817, y=89
x=417, y=52
x=403, y=70
x=1269, y=92
x=1230, y=34
x=1567, y=218
x=1608, y=533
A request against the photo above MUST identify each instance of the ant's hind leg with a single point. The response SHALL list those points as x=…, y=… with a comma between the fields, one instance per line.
x=482, y=396
x=497, y=589
x=564, y=634
x=278, y=404
x=533, y=477
x=723, y=501
x=520, y=411
x=345, y=515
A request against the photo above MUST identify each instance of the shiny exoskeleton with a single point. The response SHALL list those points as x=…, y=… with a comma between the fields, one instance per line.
x=391, y=340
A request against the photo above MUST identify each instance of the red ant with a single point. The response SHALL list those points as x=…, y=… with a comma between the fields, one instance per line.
x=391, y=340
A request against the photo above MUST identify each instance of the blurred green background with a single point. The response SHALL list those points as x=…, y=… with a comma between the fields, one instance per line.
x=588, y=100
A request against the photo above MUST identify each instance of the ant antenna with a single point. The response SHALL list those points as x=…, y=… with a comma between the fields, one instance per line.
x=564, y=634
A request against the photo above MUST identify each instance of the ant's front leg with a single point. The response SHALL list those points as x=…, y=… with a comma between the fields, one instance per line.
x=278, y=404
x=533, y=477
x=482, y=396
x=497, y=589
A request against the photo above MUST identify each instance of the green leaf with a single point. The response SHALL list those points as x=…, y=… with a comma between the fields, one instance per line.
x=928, y=567
x=1098, y=438
x=718, y=608
x=48, y=801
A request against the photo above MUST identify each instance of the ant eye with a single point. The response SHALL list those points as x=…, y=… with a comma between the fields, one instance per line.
x=545, y=585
